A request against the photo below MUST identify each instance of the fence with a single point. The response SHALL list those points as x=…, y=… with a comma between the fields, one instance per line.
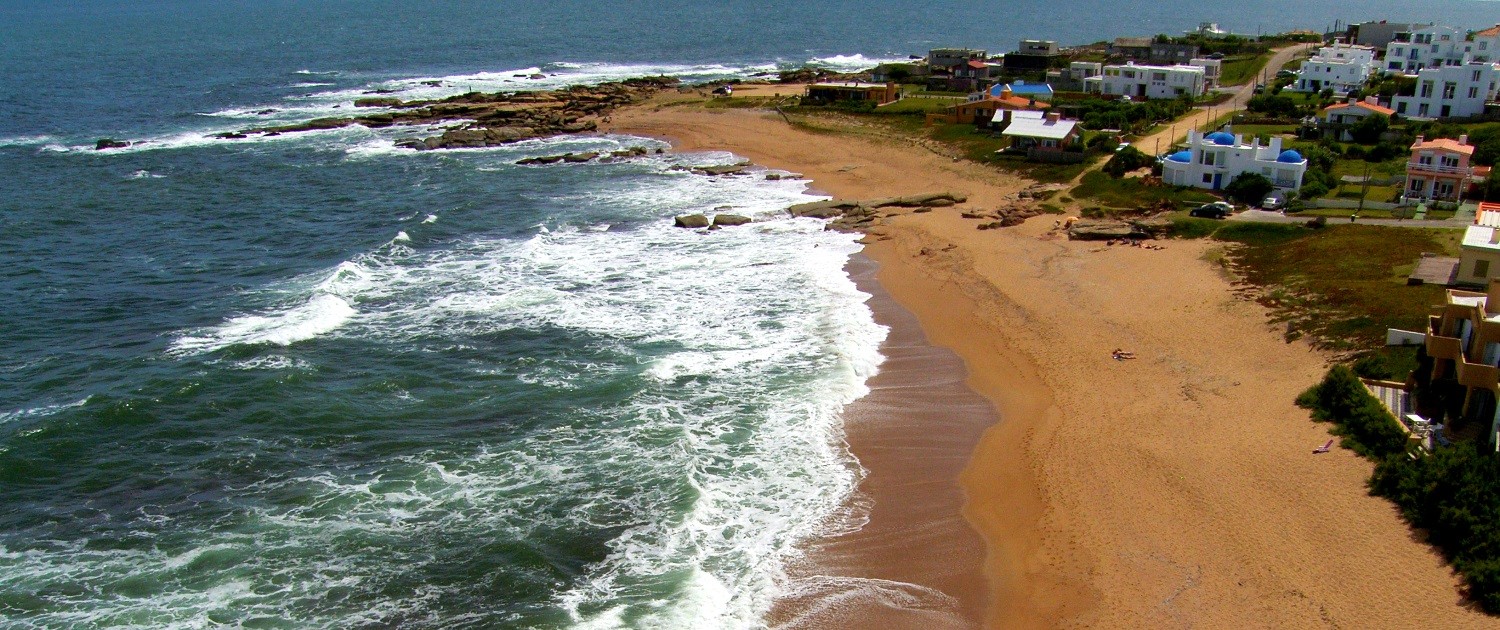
x=1055, y=157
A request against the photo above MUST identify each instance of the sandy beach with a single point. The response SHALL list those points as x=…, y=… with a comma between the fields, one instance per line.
x=1175, y=489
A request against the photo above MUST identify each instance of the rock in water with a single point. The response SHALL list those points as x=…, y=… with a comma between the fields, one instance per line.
x=730, y=219
x=110, y=143
x=691, y=221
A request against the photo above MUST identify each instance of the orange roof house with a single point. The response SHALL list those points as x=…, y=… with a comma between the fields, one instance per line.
x=1439, y=169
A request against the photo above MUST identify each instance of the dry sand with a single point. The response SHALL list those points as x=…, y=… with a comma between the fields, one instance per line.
x=1177, y=489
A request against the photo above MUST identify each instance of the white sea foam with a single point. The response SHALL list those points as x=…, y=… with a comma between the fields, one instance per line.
x=145, y=174
x=852, y=63
x=317, y=316
x=40, y=411
x=22, y=141
x=737, y=349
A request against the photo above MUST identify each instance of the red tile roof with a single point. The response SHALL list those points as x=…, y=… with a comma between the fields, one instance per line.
x=976, y=64
x=1446, y=144
x=1362, y=105
x=1489, y=32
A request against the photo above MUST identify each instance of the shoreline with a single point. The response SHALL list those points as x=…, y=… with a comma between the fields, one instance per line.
x=915, y=563
x=1171, y=490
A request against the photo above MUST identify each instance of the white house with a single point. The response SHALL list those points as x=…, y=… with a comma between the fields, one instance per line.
x=1343, y=67
x=1424, y=47
x=1148, y=81
x=1446, y=91
x=1213, y=161
x=1080, y=70
x=1212, y=68
x=1337, y=119
x=1037, y=130
x=1485, y=45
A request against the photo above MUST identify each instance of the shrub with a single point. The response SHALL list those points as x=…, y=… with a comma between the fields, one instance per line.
x=1126, y=160
x=1313, y=190
x=1369, y=128
x=1249, y=188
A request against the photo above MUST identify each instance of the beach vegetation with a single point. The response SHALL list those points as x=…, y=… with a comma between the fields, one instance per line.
x=1451, y=495
x=1341, y=286
x=1134, y=192
x=1364, y=424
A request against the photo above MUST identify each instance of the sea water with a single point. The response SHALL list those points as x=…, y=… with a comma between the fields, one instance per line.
x=317, y=381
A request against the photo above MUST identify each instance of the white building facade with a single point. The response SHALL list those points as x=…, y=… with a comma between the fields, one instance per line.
x=1425, y=47
x=1450, y=91
x=1214, y=160
x=1148, y=81
x=1343, y=67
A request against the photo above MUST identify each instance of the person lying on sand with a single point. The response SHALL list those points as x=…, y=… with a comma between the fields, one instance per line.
x=1121, y=355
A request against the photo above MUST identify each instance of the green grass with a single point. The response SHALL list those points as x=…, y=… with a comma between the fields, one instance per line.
x=1098, y=188
x=1341, y=286
x=908, y=106
x=1265, y=132
x=1239, y=69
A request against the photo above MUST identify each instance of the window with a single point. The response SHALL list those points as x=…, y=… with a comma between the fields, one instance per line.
x=1401, y=107
x=1208, y=178
x=1446, y=111
x=1481, y=268
x=1473, y=92
x=1422, y=109
x=1475, y=77
x=1417, y=185
x=1450, y=161
x=1426, y=89
x=1449, y=88
x=1208, y=158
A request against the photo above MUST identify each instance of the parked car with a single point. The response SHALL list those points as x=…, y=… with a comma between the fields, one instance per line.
x=1259, y=88
x=1215, y=210
x=1276, y=200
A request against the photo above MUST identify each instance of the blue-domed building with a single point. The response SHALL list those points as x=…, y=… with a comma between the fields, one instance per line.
x=1213, y=160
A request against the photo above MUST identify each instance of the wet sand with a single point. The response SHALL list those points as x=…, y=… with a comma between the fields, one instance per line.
x=916, y=563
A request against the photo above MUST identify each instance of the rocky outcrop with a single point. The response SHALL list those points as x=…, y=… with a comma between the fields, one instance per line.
x=732, y=169
x=727, y=220
x=847, y=207
x=493, y=118
x=691, y=221
x=1104, y=230
x=377, y=101
x=577, y=158
x=110, y=143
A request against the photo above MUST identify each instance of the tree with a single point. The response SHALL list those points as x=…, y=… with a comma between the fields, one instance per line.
x=1126, y=160
x=1273, y=105
x=1249, y=188
x=1369, y=128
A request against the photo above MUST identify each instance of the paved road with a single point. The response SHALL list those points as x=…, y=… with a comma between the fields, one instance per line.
x=1163, y=140
x=1263, y=216
x=1160, y=141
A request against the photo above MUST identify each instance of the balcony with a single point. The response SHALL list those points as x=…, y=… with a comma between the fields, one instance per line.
x=1440, y=347
x=1439, y=169
x=1477, y=374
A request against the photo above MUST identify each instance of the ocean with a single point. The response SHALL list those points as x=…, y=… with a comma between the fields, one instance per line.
x=318, y=381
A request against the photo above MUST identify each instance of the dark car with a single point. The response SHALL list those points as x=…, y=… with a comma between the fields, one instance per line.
x=1215, y=210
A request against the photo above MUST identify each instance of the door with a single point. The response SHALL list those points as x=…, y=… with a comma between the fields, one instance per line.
x=1218, y=178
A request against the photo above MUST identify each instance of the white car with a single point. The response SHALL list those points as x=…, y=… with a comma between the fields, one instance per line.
x=1276, y=200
